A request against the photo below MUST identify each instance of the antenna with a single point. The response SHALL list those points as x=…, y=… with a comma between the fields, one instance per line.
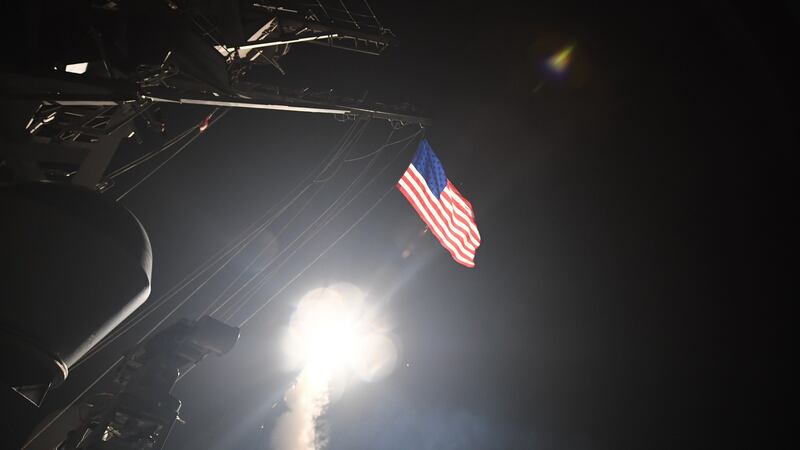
x=176, y=53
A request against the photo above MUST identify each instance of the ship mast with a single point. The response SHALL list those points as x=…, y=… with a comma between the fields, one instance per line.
x=188, y=55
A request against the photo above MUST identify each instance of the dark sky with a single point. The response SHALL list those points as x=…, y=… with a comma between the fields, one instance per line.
x=629, y=290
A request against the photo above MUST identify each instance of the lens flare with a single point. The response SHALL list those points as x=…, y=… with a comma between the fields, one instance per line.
x=559, y=62
x=375, y=357
x=331, y=335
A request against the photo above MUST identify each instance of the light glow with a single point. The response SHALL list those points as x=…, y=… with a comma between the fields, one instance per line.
x=559, y=62
x=331, y=335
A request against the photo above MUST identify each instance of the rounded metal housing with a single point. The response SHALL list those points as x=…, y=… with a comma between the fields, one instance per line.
x=73, y=265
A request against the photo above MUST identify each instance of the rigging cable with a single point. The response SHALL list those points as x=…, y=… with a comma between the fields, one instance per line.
x=102, y=375
x=348, y=13
x=249, y=295
x=176, y=153
x=212, y=304
x=181, y=303
x=148, y=156
x=75, y=400
x=191, y=294
x=380, y=27
x=306, y=230
x=96, y=380
x=346, y=147
x=128, y=325
x=369, y=183
x=345, y=233
x=263, y=305
x=358, y=158
x=299, y=274
x=244, y=243
x=260, y=284
x=356, y=138
x=324, y=11
x=246, y=240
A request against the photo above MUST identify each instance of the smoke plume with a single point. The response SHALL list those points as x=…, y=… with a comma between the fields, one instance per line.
x=298, y=427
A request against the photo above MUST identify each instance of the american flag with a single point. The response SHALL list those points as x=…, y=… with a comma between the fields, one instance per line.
x=446, y=212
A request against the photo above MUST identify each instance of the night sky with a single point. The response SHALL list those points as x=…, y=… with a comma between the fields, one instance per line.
x=630, y=290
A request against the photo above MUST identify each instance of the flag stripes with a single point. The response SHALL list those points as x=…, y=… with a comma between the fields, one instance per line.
x=449, y=216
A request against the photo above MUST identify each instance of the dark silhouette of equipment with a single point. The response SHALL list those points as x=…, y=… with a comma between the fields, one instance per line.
x=74, y=265
x=141, y=413
x=83, y=77
x=92, y=73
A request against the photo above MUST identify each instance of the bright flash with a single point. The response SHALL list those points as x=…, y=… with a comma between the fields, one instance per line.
x=332, y=332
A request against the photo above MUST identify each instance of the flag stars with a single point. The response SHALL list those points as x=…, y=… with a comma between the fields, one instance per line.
x=444, y=210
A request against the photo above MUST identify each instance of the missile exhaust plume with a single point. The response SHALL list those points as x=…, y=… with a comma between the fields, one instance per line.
x=332, y=336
